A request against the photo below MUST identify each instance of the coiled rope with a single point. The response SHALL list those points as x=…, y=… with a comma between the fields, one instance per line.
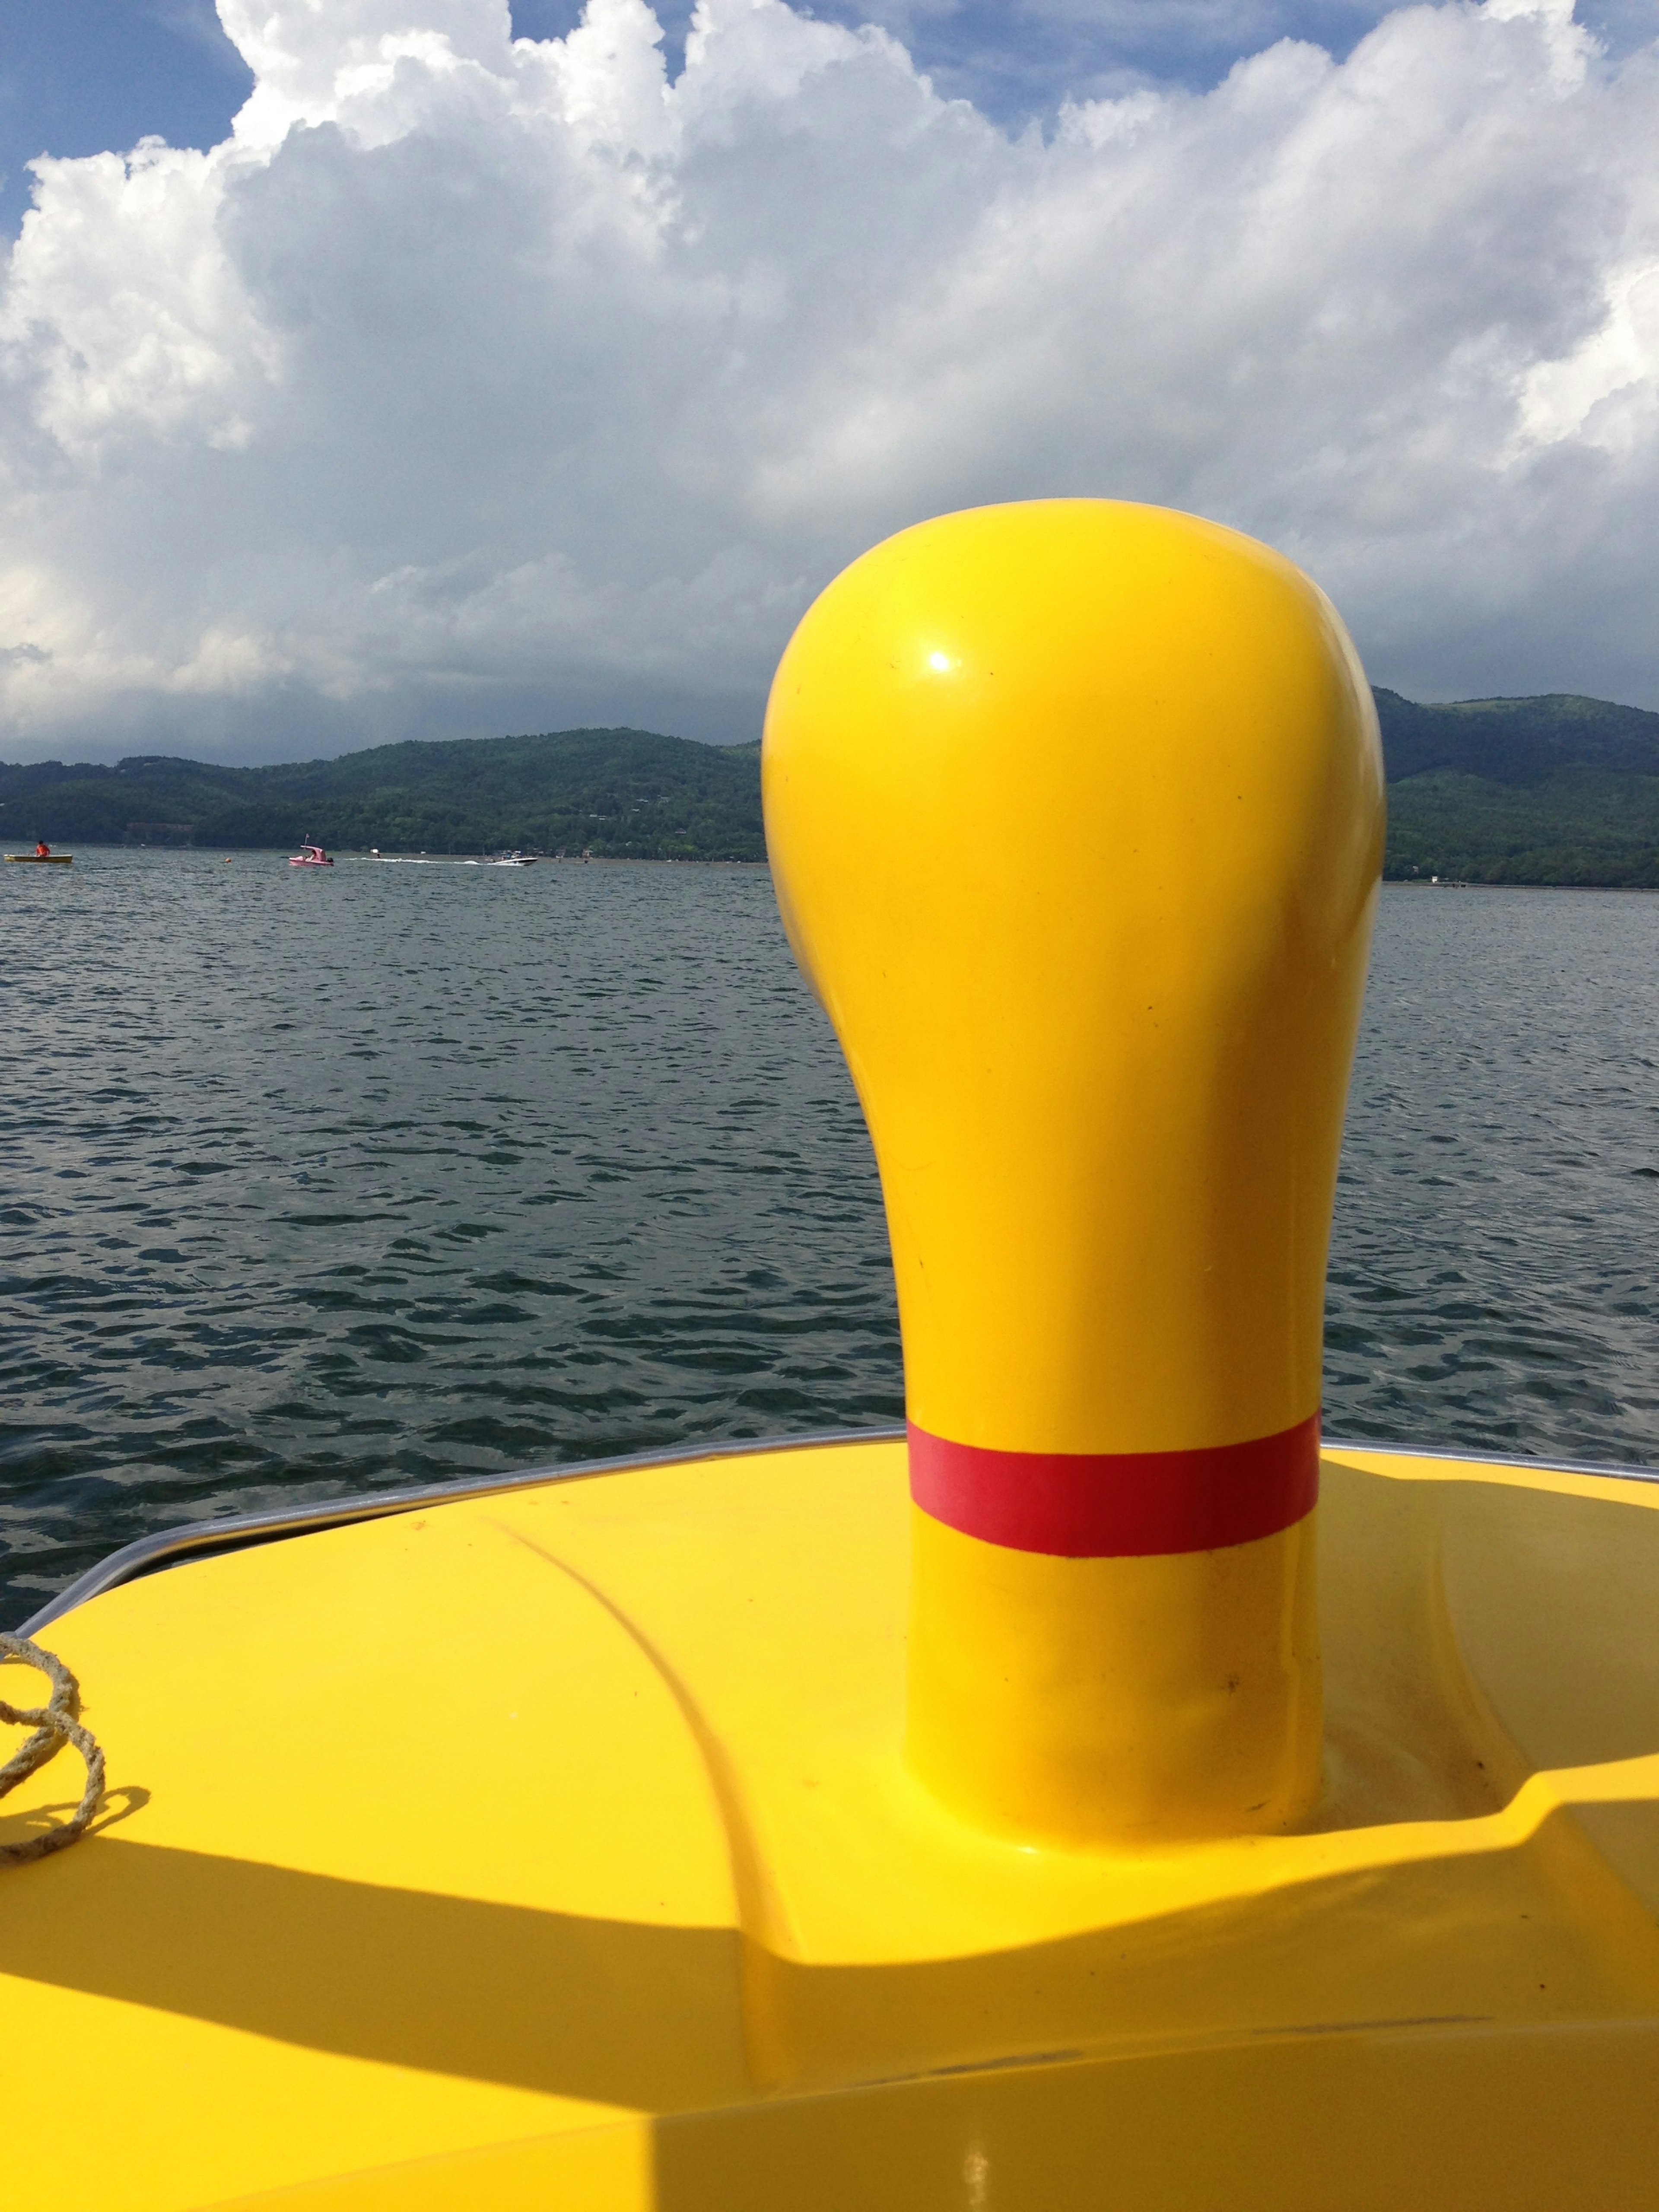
x=55, y=1724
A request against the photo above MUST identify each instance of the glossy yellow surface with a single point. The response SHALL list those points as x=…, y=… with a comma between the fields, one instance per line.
x=1116, y=1701
x=556, y=1849
x=1075, y=811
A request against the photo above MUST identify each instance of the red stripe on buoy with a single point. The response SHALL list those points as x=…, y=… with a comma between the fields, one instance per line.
x=1094, y=1505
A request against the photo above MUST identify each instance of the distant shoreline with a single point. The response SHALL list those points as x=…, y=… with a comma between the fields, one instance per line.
x=1553, y=792
x=732, y=860
x=438, y=859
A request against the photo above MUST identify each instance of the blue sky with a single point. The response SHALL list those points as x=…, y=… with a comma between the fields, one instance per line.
x=79, y=76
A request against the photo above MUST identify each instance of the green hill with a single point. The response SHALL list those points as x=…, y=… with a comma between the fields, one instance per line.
x=1555, y=790
x=620, y=794
x=1551, y=790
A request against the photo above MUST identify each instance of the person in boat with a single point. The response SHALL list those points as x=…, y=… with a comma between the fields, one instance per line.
x=42, y=850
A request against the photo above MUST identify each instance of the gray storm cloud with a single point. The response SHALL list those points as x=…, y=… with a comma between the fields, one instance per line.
x=476, y=385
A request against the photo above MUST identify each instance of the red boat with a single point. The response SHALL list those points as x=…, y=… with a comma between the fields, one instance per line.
x=311, y=856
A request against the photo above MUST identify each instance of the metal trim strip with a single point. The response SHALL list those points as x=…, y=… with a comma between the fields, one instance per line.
x=147, y=1553
x=233, y=1532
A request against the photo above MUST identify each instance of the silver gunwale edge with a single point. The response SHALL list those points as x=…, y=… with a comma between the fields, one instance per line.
x=234, y=1530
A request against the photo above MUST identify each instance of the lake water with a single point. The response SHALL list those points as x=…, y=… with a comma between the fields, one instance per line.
x=311, y=1185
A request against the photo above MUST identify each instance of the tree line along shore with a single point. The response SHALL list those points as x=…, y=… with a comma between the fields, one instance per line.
x=1556, y=790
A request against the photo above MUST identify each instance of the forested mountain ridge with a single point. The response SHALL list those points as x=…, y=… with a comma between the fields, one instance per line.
x=1556, y=789
x=1551, y=790
x=629, y=794
x=1516, y=741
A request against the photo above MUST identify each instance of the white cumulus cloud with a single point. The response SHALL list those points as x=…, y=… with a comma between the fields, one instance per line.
x=476, y=384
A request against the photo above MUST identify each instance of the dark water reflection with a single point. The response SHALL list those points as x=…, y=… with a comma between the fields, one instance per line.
x=313, y=1185
x=1497, y=1232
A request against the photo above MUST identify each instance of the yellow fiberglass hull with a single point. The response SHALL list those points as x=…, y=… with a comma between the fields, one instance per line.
x=41, y=859
x=552, y=1847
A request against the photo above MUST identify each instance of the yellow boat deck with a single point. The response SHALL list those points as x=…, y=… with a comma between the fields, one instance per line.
x=553, y=1848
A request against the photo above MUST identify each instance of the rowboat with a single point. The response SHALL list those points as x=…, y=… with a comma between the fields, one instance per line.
x=1023, y=1812
x=41, y=859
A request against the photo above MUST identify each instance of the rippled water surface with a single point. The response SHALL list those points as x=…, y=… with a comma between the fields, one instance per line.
x=318, y=1183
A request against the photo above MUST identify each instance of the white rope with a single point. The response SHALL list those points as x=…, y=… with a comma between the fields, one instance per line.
x=55, y=1724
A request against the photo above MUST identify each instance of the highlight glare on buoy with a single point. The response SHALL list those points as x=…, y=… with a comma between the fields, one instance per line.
x=1090, y=921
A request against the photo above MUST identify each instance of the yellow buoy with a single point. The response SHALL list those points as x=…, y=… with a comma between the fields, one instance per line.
x=1076, y=813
